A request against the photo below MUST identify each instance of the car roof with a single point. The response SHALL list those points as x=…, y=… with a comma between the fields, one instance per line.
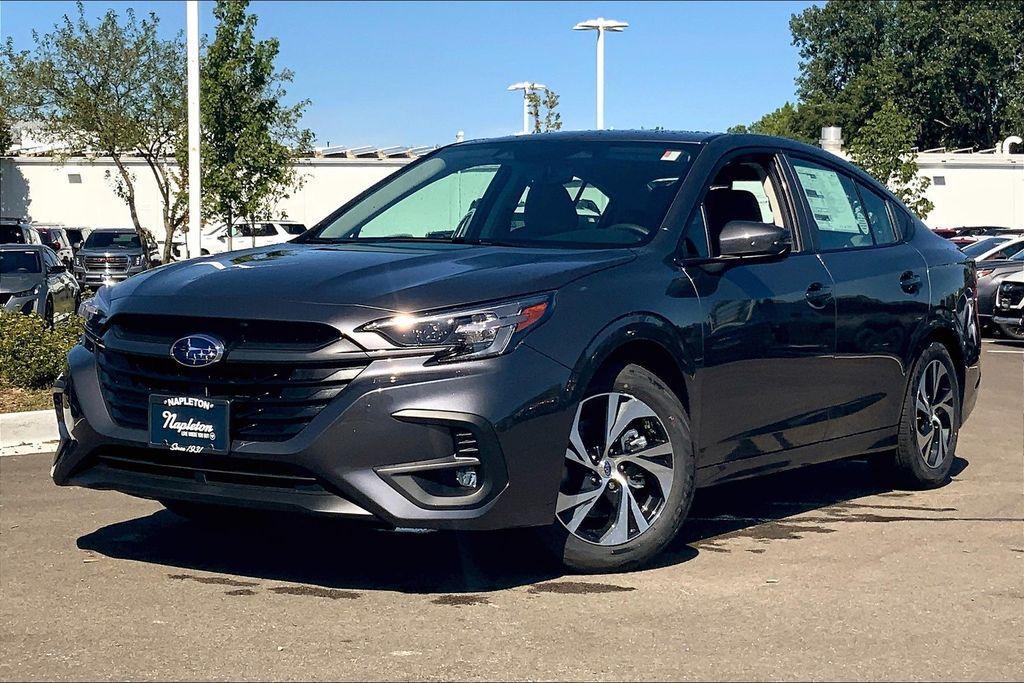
x=605, y=136
x=23, y=247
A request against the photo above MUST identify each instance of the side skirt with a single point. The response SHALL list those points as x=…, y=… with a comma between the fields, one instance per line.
x=875, y=441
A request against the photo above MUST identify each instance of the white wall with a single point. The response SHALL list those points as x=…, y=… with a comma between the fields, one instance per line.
x=974, y=189
x=42, y=190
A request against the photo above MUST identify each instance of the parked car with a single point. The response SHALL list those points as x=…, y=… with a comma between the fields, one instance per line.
x=994, y=248
x=971, y=234
x=57, y=238
x=1008, y=315
x=249, y=235
x=14, y=231
x=990, y=275
x=34, y=280
x=768, y=307
x=110, y=255
x=78, y=237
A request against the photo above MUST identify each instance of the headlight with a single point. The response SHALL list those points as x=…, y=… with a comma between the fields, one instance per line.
x=467, y=333
x=94, y=311
x=27, y=292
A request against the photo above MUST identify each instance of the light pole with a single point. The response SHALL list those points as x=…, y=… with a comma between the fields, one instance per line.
x=600, y=25
x=527, y=87
x=193, y=243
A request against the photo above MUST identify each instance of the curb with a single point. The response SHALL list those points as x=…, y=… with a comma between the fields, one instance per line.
x=25, y=433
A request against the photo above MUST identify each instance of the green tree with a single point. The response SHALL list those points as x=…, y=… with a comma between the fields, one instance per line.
x=941, y=73
x=250, y=137
x=784, y=122
x=114, y=87
x=551, y=119
x=882, y=148
x=954, y=66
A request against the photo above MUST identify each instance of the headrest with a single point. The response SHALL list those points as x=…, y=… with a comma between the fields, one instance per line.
x=549, y=210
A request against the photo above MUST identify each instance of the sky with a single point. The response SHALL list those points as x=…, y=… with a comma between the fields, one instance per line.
x=397, y=73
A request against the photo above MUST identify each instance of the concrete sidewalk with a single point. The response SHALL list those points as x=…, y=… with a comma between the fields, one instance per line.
x=23, y=433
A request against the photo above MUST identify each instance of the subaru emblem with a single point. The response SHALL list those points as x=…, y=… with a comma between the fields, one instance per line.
x=197, y=350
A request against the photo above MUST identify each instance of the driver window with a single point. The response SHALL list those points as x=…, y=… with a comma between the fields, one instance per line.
x=741, y=191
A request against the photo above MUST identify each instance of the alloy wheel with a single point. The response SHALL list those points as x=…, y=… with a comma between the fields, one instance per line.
x=935, y=414
x=619, y=470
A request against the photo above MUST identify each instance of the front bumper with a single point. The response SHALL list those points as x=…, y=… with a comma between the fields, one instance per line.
x=382, y=451
x=22, y=304
x=1011, y=325
x=98, y=278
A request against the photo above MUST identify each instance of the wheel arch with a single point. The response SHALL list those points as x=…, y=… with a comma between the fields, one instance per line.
x=943, y=334
x=645, y=339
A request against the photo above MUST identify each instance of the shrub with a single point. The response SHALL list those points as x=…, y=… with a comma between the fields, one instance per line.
x=31, y=354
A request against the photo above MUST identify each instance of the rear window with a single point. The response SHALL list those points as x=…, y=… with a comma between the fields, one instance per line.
x=11, y=234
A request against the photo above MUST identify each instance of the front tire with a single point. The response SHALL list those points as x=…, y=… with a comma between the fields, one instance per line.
x=930, y=423
x=629, y=475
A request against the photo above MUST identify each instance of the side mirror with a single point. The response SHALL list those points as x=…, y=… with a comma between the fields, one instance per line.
x=748, y=238
x=57, y=269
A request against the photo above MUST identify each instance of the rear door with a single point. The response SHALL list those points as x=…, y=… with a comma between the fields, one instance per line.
x=881, y=295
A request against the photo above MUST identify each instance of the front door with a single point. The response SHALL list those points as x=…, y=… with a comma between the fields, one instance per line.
x=769, y=330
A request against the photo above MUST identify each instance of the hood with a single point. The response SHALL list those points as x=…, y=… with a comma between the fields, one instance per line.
x=19, y=282
x=397, y=277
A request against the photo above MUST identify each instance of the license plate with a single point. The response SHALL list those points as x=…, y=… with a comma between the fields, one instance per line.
x=189, y=424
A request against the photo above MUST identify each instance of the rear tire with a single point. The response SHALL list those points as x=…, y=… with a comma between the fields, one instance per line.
x=613, y=511
x=930, y=423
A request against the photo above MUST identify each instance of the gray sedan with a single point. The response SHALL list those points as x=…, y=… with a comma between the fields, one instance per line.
x=33, y=280
x=990, y=274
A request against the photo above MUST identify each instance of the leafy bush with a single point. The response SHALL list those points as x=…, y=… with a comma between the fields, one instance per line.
x=31, y=354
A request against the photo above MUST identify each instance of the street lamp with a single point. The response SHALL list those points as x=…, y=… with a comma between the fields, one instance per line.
x=600, y=25
x=527, y=87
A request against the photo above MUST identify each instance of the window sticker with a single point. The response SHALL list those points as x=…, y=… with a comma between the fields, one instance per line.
x=671, y=155
x=828, y=200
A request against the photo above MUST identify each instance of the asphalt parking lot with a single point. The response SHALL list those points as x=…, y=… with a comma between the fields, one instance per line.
x=819, y=574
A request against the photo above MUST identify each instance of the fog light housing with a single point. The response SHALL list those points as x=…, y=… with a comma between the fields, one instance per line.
x=466, y=476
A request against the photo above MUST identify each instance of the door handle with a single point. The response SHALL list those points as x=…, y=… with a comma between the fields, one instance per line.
x=818, y=295
x=910, y=282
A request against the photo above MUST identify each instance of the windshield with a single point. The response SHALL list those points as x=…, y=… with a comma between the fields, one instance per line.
x=19, y=261
x=983, y=245
x=522, y=193
x=113, y=240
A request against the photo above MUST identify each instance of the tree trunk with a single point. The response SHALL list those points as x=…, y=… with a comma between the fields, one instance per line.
x=129, y=198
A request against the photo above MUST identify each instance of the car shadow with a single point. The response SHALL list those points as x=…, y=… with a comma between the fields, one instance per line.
x=335, y=555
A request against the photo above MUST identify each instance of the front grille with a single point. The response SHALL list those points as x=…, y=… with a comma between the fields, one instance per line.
x=214, y=469
x=269, y=401
x=1011, y=294
x=107, y=262
x=243, y=334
